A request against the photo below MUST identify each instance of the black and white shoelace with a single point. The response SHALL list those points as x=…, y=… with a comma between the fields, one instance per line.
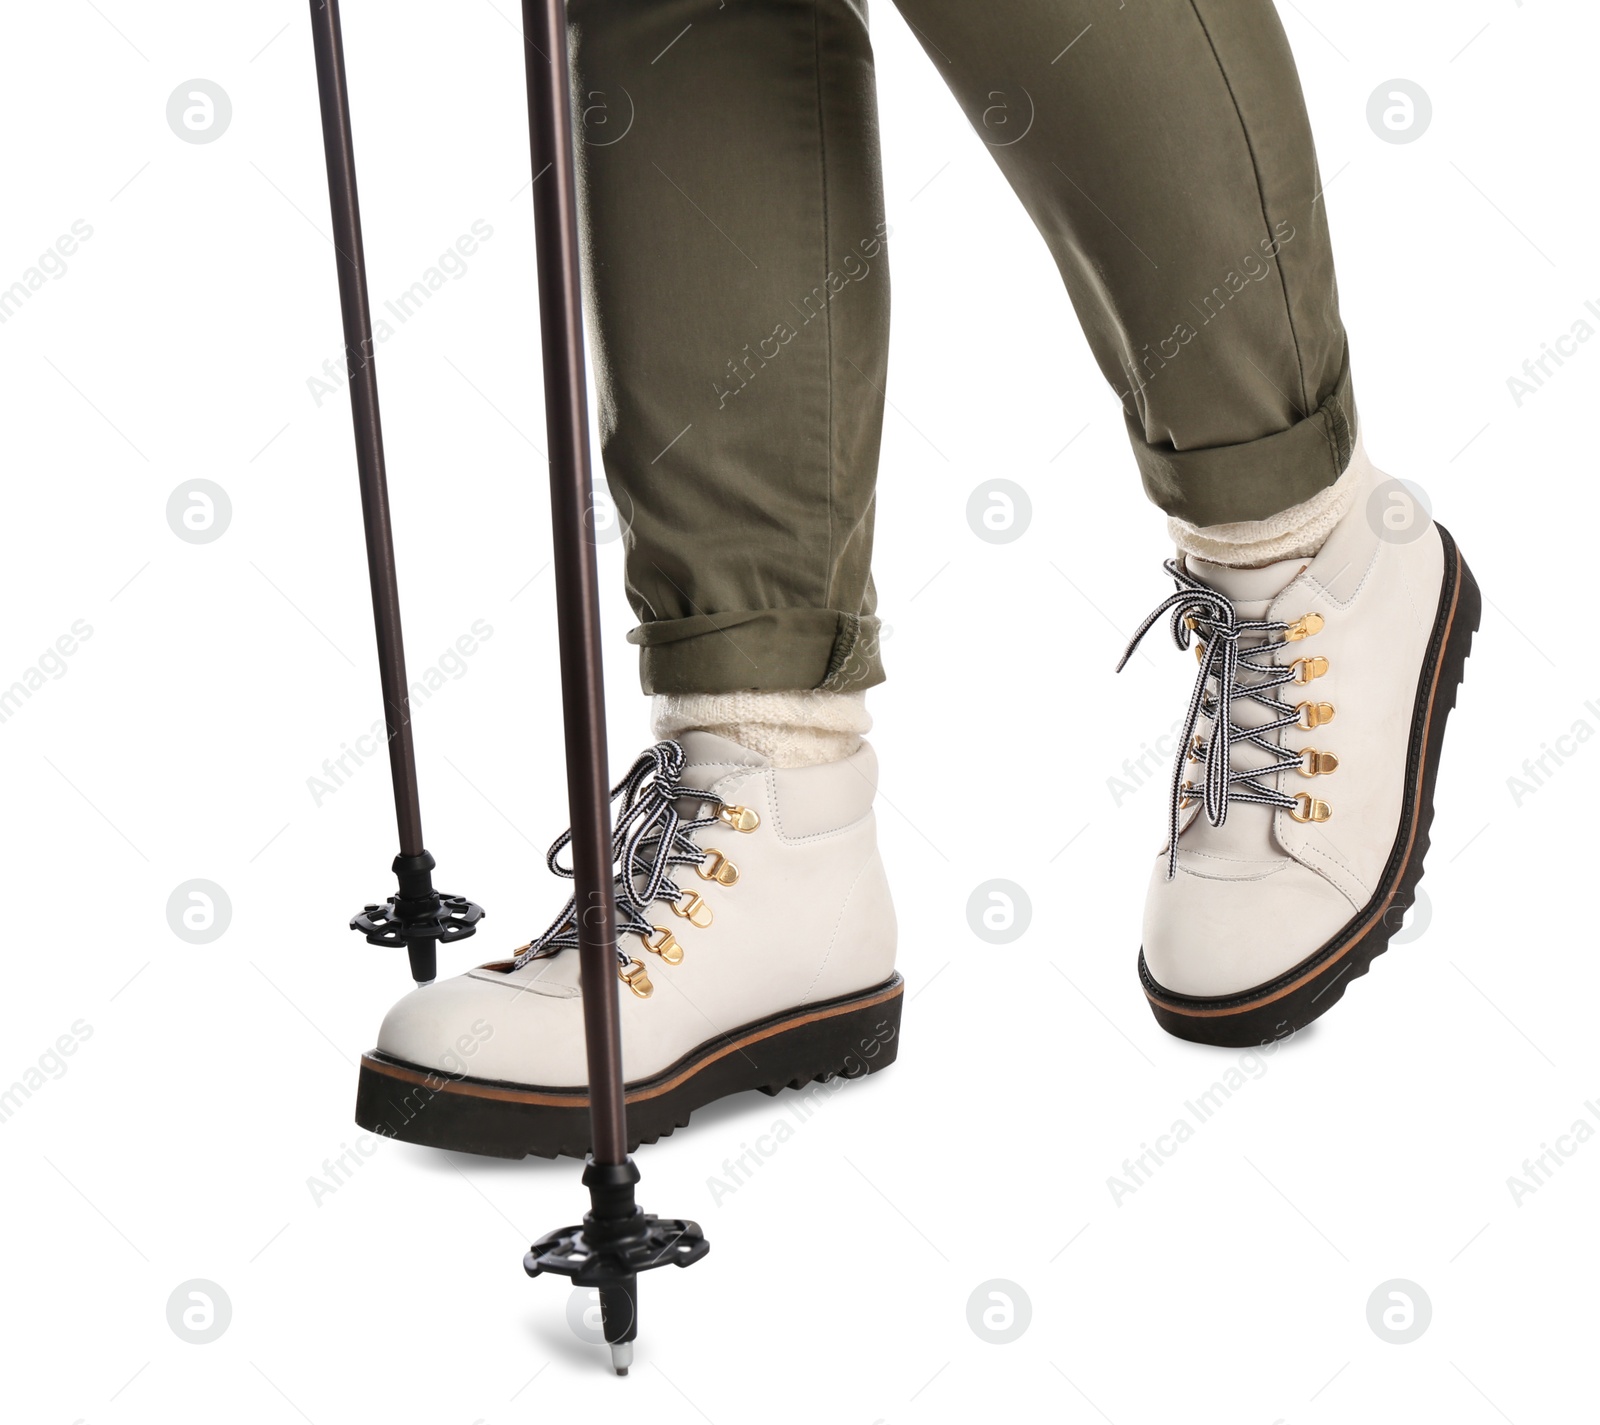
x=1198, y=609
x=648, y=839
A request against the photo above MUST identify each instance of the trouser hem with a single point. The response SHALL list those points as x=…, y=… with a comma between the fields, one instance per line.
x=766, y=650
x=1256, y=479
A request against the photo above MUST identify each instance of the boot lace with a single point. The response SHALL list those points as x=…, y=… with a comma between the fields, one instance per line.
x=648, y=839
x=1197, y=610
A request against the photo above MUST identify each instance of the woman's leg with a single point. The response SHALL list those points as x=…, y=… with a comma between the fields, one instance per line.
x=734, y=244
x=734, y=249
x=734, y=238
x=1164, y=152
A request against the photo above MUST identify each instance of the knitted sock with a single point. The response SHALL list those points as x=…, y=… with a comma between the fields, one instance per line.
x=790, y=729
x=1294, y=533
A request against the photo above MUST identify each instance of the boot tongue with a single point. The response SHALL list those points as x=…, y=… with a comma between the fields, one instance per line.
x=1252, y=590
x=709, y=756
x=707, y=759
x=1247, y=833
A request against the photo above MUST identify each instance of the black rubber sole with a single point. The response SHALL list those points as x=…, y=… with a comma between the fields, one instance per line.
x=851, y=1036
x=1290, y=1002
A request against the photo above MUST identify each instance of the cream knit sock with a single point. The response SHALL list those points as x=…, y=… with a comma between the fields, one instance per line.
x=1294, y=533
x=790, y=729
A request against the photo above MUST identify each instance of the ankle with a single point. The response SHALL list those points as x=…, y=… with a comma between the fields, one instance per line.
x=801, y=728
x=1295, y=533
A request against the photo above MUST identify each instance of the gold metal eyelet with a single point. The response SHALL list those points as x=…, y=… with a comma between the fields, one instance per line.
x=1188, y=793
x=1303, y=627
x=1199, y=653
x=636, y=978
x=1310, y=808
x=1317, y=764
x=1305, y=669
x=663, y=944
x=1197, y=748
x=722, y=871
x=693, y=909
x=739, y=818
x=1314, y=714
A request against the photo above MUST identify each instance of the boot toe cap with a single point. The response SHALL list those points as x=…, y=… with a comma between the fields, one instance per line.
x=470, y=1026
x=1223, y=926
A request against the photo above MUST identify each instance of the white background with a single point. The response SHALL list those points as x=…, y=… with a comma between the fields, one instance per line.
x=217, y=1078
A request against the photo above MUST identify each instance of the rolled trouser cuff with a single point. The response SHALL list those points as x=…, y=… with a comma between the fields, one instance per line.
x=1259, y=478
x=769, y=650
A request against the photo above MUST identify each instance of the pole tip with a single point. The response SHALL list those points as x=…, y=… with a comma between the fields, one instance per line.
x=621, y=1356
x=423, y=984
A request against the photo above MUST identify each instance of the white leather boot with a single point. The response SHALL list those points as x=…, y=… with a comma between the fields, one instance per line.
x=1303, y=793
x=756, y=950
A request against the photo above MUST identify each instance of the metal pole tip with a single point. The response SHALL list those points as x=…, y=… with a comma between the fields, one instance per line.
x=621, y=1356
x=423, y=984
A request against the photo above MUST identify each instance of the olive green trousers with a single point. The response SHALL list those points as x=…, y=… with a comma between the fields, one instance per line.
x=737, y=273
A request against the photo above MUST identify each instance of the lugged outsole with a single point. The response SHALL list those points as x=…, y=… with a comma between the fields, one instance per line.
x=1293, y=1000
x=853, y=1035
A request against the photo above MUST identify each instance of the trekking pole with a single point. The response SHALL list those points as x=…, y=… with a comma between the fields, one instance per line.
x=418, y=916
x=617, y=1240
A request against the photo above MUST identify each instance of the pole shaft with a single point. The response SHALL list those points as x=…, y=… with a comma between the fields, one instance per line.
x=359, y=360
x=555, y=215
